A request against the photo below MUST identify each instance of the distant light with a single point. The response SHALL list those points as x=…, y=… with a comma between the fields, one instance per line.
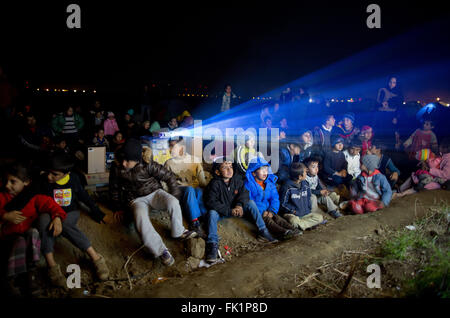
x=47, y=89
x=404, y=103
x=95, y=91
x=74, y=90
x=438, y=99
x=84, y=91
x=37, y=89
x=64, y=90
x=310, y=100
x=448, y=104
x=342, y=100
x=332, y=99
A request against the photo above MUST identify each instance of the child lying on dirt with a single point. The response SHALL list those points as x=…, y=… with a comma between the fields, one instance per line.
x=295, y=197
x=373, y=190
x=227, y=196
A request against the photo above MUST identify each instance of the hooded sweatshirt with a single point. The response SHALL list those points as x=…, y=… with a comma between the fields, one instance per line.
x=374, y=187
x=266, y=199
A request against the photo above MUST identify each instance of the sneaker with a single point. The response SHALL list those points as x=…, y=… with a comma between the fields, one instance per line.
x=343, y=205
x=187, y=235
x=297, y=232
x=101, y=268
x=56, y=277
x=265, y=236
x=167, y=258
x=197, y=227
x=336, y=214
x=211, y=252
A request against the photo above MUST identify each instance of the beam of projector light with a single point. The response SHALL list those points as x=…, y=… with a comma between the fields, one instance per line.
x=332, y=80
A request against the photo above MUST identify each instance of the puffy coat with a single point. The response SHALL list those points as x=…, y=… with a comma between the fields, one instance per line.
x=267, y=199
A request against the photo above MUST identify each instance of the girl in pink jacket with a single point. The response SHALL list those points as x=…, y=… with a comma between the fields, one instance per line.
x=110, y=125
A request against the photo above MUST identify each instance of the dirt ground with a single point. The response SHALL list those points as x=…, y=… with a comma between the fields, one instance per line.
x=252, y=269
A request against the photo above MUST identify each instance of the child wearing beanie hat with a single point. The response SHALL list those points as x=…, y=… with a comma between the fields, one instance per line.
x=373, y=191
x=335, y=166
x=110, y=125
x=135, y=187
x=347, y=129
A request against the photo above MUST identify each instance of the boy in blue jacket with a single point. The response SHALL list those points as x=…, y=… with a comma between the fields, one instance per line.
x=295, y=198
x=261, y=185
x=373, y=189
x=226, y=196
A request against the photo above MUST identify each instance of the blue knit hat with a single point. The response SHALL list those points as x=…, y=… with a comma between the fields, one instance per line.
x=350, y=116
x=337, y=139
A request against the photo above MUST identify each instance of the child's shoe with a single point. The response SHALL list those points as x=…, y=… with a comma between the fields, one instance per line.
x=101, y=268
x=211, y=252
x=264, y=236
x=197, y=227
x=56, y=277
x=335, y=214
x=297, y=232
x=167, y=258
x=187, y=235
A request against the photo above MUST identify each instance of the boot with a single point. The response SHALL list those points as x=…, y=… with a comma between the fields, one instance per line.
x=56, y=277
x=101, y=268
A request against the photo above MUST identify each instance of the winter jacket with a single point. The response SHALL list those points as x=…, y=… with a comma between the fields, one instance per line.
x=68, y=194
x=223, y=198
x=142, y=180
x=380, y=184
x=444, y=169
x=266, y=199
x=314, y=184
x=30, y=205
x=110, y=126
x=322, y=137
x=295, y=198
x=353, y=163
x=59, y=121
x=333, y=162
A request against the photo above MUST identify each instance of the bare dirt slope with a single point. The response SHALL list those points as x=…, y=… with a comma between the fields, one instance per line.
x=252, y=270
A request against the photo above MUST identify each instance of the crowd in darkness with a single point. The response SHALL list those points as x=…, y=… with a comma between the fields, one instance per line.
x=334, y=159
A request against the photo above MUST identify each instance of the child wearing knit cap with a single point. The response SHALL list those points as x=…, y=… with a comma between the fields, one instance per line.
x=347, y=129
x=110, y=125
x=335, y=166
x=373, y=191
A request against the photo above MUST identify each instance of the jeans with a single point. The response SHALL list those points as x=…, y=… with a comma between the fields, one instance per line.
x=250, y=211
x=192, y=203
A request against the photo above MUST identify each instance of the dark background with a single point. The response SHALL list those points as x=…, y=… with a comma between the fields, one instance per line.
x=255, y=46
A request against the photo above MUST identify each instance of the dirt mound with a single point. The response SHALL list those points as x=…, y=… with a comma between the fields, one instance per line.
x=251, y=270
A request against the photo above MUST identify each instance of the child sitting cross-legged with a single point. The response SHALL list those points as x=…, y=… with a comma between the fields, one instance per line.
x=295, y=199
x=261, y=184
x=320, y=195
x=373, y=191
x=226, y=196
x=334, y=165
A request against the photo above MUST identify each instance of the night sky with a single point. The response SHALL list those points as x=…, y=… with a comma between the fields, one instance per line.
x=255, y=47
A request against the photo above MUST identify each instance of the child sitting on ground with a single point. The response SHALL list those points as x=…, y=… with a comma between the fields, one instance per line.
x=100, y=139
x=192, y=180
x=335, y=166
x=110, y=125
x=366, y=137
x=295, y=199
x=261, y=184
x=245, y=153
x=319, y=195
x=19, y=208
x=289, y=152
x=373, y=191
x=421, y=139
x=386, y=165
x=353, y=158
x=226, y=196
x=66, y=189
